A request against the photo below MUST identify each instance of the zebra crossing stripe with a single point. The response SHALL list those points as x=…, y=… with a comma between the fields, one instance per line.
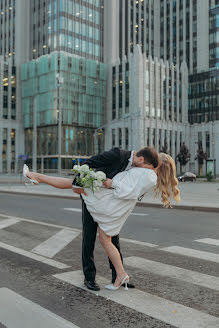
x=209, y=241
x=142, y=243
x=38, y=222
x=56, y=243
x=19, y=312
x=7, y=223
x=151, y=305
x=35, y=257
x=167, y=270
x=207, y=256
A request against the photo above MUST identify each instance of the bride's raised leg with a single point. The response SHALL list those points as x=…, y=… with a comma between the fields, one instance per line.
x=113, y=253
x=61, y=183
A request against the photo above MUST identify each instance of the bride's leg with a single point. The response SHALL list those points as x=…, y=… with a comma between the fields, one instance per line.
x=112, y=252
x=61, y=183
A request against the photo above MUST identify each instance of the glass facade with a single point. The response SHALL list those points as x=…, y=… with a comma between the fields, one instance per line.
x=175, y=43
x=81, y=98
x=7, y=29
x=8, y=116
x=214, y=36
x=9, y=92
x=68, y=25
x=204, y=97
x=141, y=23
x=120, y=89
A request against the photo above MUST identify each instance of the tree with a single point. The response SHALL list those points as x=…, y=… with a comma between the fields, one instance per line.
x=183, y=157
x=200, y=157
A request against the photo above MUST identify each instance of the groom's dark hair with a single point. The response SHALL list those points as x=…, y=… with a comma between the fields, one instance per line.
x=150, y=156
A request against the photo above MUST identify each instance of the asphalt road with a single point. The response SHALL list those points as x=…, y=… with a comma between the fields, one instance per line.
x=160, y=226
x=163, y=297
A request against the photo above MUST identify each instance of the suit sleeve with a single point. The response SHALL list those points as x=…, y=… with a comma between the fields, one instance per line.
x=132, y=186
x=104, y=159
x=101, y=160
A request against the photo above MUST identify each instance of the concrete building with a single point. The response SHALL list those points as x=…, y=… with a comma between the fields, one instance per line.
x=147, y=105
x=11, y=132
x=36, y=29
x=181, y=33
x=174, y=44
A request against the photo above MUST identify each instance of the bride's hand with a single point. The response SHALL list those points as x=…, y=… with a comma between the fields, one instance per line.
x=108, y=183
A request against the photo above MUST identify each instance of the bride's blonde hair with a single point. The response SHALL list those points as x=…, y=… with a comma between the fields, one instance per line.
x=166, y=180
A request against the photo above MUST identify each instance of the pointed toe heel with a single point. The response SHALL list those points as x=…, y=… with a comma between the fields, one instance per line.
x=125, y=281
x=25, y=170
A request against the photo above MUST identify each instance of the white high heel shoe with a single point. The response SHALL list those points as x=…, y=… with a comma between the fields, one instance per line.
x=125, y=281
x=25, y=170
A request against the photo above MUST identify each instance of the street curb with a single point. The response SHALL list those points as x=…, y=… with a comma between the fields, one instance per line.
x=177, y=207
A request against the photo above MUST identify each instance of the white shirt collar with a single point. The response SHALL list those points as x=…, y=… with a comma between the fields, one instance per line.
x=129, y=166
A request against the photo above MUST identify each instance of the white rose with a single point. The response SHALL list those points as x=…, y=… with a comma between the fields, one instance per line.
x=85, y=168
x=100, y=175
x=76, y=167
x=92, y=174
x=96, y=184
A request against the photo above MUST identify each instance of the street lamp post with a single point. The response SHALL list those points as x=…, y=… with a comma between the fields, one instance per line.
x=60, y=81
x=34, y=157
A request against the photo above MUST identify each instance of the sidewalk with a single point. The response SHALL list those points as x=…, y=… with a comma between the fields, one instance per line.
x=198, y=195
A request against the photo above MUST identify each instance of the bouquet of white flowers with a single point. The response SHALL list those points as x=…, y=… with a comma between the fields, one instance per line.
x=88, y=178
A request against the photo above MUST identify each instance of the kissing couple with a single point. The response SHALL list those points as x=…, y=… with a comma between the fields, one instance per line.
x=129, y=175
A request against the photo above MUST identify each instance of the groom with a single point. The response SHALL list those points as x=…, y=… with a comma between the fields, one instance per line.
x=110, y=162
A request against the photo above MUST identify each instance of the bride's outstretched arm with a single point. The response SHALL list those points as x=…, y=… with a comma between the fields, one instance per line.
x=61, y=183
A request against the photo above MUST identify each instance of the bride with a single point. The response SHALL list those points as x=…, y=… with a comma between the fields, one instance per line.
x=111, y=206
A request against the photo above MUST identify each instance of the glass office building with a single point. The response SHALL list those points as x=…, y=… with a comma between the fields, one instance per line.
x=9, y=124
x=67, y=25
x=80, y=100
x=65, y=38
x=204, y=97
x=214, y=35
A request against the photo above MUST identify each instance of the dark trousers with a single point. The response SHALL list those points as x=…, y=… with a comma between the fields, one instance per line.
x=88, y=243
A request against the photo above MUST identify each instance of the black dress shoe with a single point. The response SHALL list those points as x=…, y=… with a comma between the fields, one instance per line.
x=129, y=285
x=91, y=284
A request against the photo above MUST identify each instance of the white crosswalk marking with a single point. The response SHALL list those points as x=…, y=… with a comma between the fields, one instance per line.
x=207, y=256
x=167, y=311
x=209, y=241
x=167, y=270
x=36, y=257
x=73, y=209
x=38, y=222
x=79, y=211
x=7, y=223
x=56, y=243
x=139, y=214
x=19, y=312
x=142, y=243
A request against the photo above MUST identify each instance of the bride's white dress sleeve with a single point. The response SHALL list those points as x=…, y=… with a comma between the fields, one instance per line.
x=134, y=184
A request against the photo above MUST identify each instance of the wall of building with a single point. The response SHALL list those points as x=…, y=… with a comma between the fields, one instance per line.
x=80, y=99
x=148, y=106
x=11, y=129
x=71, y=26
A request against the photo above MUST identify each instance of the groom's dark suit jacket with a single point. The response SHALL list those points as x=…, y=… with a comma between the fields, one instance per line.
x=110, y=162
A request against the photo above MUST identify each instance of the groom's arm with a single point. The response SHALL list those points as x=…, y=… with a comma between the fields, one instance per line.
x=105, y=159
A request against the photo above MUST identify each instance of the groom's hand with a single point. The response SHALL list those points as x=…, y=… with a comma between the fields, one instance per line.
x=108, y=183
x=79, y=191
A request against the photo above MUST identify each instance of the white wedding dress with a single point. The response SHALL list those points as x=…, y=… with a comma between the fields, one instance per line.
x=110, y=208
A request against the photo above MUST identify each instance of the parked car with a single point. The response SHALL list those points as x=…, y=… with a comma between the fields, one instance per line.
x=188, y=176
